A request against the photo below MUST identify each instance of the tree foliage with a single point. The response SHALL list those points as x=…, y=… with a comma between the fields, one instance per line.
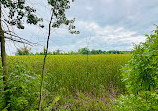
x=23, y=51
x=141, y=77
x=141, y=74
x=83, y=51
x=18, y=11
x=59, y=8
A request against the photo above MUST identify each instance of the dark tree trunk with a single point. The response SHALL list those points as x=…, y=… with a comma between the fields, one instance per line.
x=4, y=61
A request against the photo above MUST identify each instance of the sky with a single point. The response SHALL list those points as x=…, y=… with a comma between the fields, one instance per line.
x=103, y=24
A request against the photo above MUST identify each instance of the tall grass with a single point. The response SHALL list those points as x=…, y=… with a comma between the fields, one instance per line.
x=68, y=73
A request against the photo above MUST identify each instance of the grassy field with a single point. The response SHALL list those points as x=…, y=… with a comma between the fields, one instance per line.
x=68, y=73
x=71, y=81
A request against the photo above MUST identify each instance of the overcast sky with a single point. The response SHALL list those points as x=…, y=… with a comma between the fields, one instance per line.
x=103, y=24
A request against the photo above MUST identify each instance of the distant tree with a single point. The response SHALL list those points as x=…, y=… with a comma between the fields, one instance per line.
x=100, y=52
x=44, y=51
x=94, y=51
x=113, y=52
x=109, y=52
x=83, y=51
x=58, y=52
x=54, y=53
x=23, y=51
x=49, y=53
x=73, y=53
x=37, y=53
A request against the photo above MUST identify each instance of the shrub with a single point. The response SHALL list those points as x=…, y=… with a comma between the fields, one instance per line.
x=144, y=101
x=23, y=90
x=141, y=74
x=141, y=78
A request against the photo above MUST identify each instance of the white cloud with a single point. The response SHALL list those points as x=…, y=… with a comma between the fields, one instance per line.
x=104, y=24
x=105, y=38
x=92, y=35
x=89, y=8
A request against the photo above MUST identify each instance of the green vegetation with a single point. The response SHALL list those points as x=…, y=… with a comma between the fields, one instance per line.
x=81, y=82
x=65, y=75
x=23, y=90
x=23, y=51
x=78, y=80
x=141, y=77
x=99, y=70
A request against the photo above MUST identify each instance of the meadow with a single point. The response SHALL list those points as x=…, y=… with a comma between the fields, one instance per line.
x=69, y=81
x=69, y=73
x=72, y=82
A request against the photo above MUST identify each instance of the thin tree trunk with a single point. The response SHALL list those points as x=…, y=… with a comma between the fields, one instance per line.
x=3, y=58
x=43, y=69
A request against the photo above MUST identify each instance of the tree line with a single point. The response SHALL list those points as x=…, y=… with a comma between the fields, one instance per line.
x=82, y=51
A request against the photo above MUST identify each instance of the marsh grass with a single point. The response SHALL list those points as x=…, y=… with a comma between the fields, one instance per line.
x=68, y=73
x=64, y=76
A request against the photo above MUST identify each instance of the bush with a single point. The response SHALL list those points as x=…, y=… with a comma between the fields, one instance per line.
x=23, y=90
x=141, y=78
x=144, y=101
x=141, y=74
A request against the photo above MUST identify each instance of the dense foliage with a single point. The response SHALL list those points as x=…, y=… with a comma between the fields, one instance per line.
x=141, y=77
x=142, y=71
x=23, y=90
x=144, y=101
